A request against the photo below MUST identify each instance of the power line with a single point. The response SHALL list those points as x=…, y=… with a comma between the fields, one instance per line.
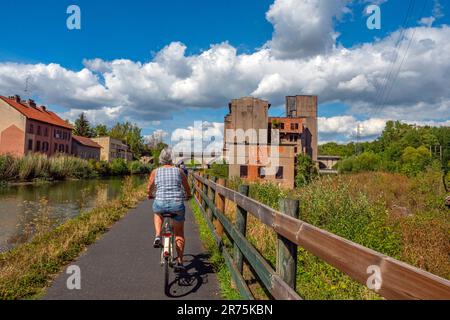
x=404, y=56
x=390, y=72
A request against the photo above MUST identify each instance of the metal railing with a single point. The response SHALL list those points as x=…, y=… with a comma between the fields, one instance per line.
x=397, y=280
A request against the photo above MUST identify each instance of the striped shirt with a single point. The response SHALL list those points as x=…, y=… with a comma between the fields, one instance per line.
x=168, y=184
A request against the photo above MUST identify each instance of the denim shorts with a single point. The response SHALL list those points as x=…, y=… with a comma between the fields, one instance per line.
x=170, y=206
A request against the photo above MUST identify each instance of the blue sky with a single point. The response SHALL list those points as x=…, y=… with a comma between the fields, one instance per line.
x=34, y=32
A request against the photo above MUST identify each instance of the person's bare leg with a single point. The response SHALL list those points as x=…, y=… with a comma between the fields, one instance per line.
x=158, y=220
x=178, y=229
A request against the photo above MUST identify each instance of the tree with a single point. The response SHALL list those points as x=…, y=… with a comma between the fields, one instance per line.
x=100, y=131
x=156, y=151
x=83, y=127
x=131, y=135
x=306, y=170
x=415, y=160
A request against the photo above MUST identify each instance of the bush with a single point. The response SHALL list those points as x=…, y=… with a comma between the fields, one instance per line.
x=62, y=167
x=103, y=168
x=365, y=162
x=306, y=170
x=415, y=160
x=218, y=170
x=119, y=167
x=137, y=167
x=8, y=168
x=39, y=166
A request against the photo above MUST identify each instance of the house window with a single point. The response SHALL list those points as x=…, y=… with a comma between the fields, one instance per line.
x=282, y=126
x=67, y=148
x=45, y=132
x=295, y=150
x=30, y=145
x=61, y=148
x=38, y=146
x=292, y=126
x=56, y=147
x=296, y=126
x=38, y=130
x=262, y=172
x=279, y=174
x=31, y=129
x=45, y=146
x=64, y=135
x=244, y=172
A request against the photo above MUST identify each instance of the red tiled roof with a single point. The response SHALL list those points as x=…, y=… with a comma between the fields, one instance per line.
x=86, y=141
x=37, y=113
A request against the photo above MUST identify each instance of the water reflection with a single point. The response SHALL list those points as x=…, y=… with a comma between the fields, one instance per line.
x=21, y=205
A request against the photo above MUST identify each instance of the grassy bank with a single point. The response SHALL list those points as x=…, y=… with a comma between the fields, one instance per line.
x=399, y=216
x=216, y=258
x=34, y=167
x=26, y=270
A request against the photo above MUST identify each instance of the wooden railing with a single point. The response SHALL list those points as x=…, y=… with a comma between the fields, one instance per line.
x=397, y=280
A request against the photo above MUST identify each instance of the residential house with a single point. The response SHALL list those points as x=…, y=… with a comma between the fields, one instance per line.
x=26, y=128
x=85, y=148
x=113, y=149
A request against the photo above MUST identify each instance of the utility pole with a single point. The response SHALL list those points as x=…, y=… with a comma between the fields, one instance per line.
x=27, y=87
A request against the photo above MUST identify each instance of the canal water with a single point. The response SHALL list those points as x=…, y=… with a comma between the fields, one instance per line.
x=26, y=208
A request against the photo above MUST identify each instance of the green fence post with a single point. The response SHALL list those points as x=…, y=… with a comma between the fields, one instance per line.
x=241, y=225
x=286, y=250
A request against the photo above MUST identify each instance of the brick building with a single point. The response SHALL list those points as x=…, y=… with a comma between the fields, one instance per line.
x=113, y=149
x=249, y=157
x=26, y=127
x=85, y=148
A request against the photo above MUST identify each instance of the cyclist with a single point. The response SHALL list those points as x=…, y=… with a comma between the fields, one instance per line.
x=182, y=166
x=169, y=182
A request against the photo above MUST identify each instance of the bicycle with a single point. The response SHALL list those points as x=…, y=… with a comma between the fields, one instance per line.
x=168, y=247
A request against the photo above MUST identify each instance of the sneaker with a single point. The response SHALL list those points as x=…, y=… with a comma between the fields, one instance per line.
x=157, y=242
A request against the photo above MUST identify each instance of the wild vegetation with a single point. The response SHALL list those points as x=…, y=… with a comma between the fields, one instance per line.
x=218, y=170
x=401, y=148
x=215, y=256
x=26, y=270
x=40, y=167
x=403, y=217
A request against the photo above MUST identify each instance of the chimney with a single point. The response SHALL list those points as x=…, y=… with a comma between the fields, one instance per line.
x=17, y=98
x=44, y=108
x=31, y=103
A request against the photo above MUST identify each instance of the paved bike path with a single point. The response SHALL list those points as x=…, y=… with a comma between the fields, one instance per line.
x=124, y=265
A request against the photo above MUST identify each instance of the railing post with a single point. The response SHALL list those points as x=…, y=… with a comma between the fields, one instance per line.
x=241, y=225
x=286, y=250
x=211, y=195
x=205, y=191
x=220, y=205
x=191, y=180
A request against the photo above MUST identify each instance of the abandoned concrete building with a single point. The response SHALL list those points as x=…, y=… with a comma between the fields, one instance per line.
x=250, y=157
